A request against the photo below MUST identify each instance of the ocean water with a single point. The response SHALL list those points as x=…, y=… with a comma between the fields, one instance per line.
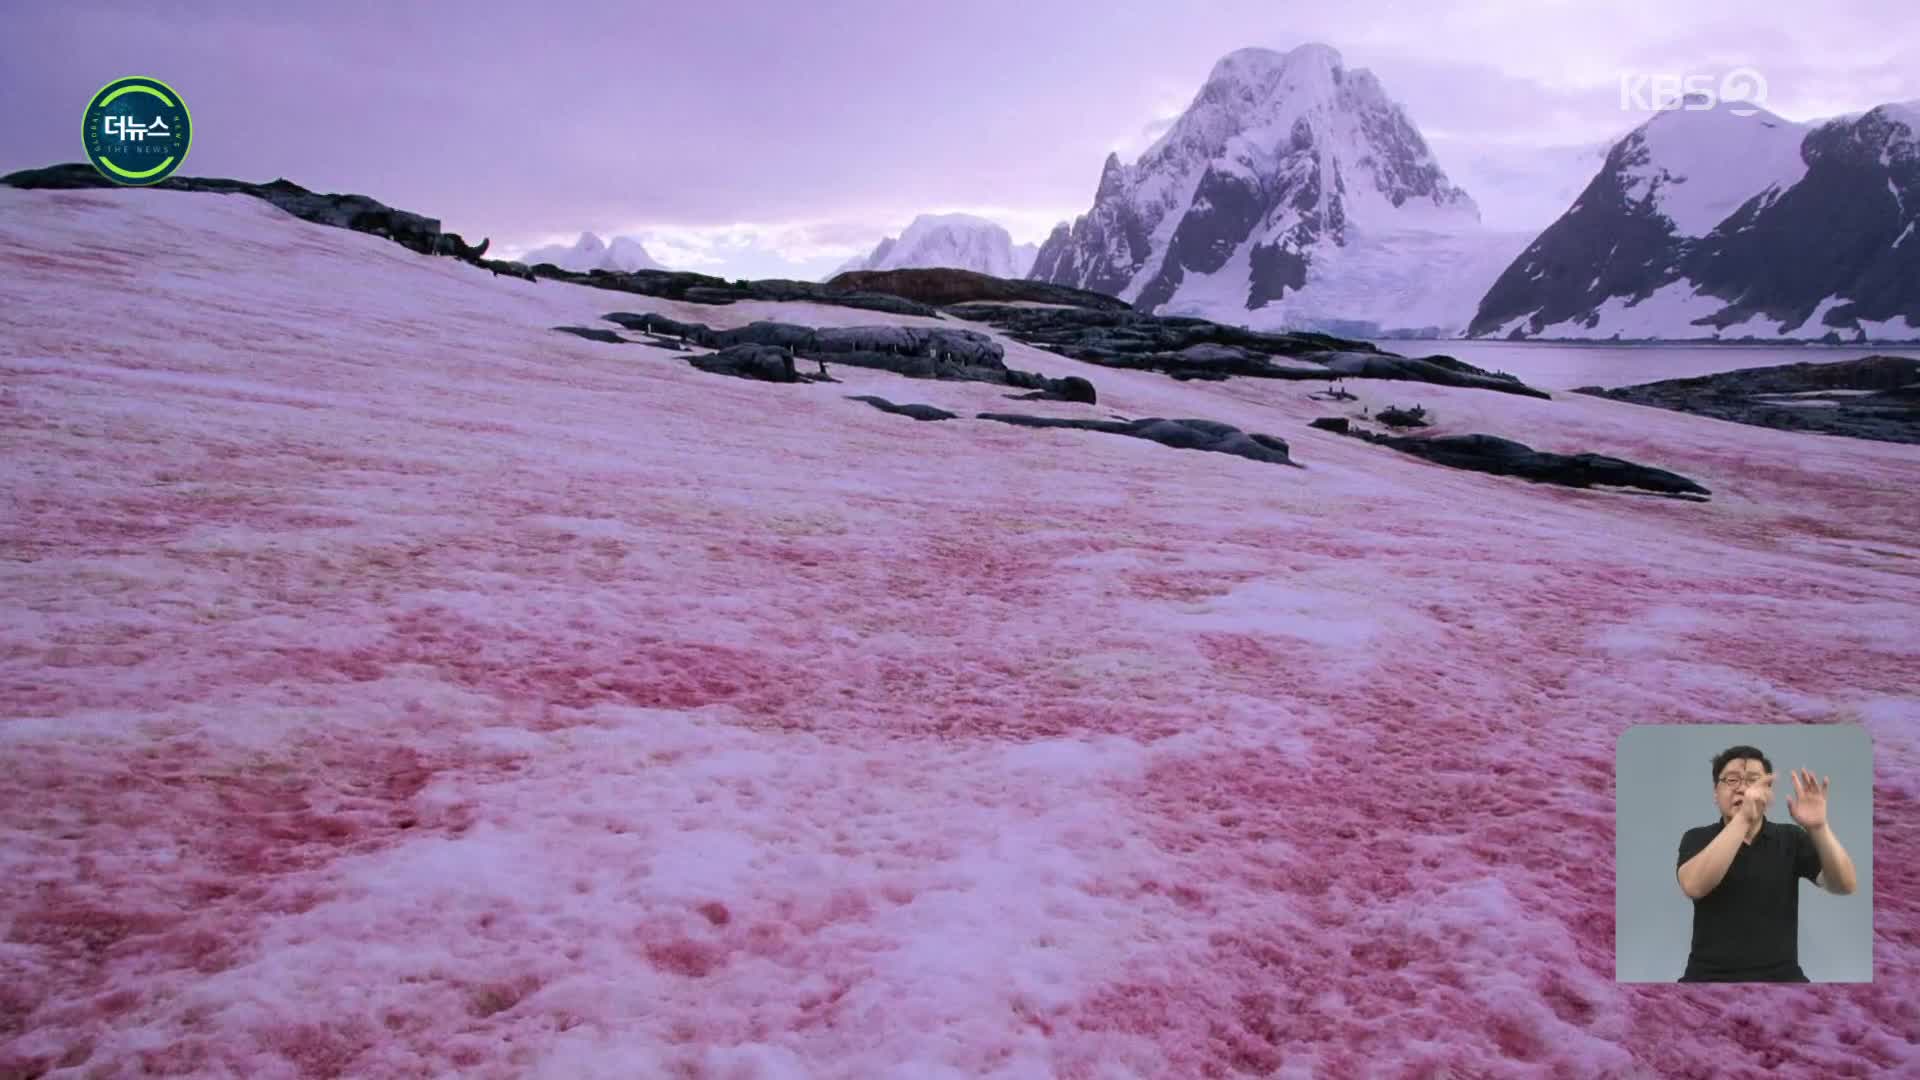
x=1559, y=366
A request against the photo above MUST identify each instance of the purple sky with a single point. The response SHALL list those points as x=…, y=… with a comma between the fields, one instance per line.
x=782, y=138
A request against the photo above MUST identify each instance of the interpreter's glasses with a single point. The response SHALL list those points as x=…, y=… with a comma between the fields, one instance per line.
x=1732, y=782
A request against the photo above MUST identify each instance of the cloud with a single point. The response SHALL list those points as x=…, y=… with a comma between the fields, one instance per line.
x=1169, y=99
x=1024, y=225
x=803, y=249
x=794, y=249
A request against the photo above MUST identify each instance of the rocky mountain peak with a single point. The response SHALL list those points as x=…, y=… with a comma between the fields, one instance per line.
x=1280, y=158
x=1113, y=177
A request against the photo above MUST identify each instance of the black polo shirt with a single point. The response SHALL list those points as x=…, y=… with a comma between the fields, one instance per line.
x=1748, y=928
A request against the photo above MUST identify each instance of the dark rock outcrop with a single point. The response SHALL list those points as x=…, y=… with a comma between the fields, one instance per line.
x=1208, y=435
x=942, y=346
x=1336, y=424
x=937, y=345
x=1395, y=417
x=1072, y=388
x=702, y=289
x=510, y=269
x=920, y=352
x=1504, y=457
x=917, y=411
x=356, y=212
x=1129, y=339
x=943, y=287
x=767, y=363
x=594, y=333
x=660, y=326
x=1889, y=411
x=1187, y=348
x=451, y=244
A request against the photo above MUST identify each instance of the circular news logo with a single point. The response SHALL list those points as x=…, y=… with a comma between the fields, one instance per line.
x=137, y=130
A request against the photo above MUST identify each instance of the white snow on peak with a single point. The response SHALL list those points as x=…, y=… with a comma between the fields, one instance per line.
x=961, y=241
x=1259, y=109
x=629, y=254
x=1907, y=114
x=1700, y=165
x=1255, y=73
x=592, y=253
x=1351, y=170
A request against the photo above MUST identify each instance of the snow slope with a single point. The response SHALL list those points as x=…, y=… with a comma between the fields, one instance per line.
x=395, y=687
x=1697, y=166
x=1410, y=282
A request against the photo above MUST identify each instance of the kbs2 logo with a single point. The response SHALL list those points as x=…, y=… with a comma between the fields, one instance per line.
x=1742, y=90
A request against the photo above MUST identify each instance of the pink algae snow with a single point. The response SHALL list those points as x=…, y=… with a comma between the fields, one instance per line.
x=390, y=686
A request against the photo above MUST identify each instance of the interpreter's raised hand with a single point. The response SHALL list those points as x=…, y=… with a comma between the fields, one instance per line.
x=1809, y=803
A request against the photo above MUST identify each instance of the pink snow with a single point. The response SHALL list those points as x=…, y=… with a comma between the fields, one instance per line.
x=392, y=686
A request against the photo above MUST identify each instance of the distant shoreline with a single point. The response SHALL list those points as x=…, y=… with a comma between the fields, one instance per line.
x=1661, y=343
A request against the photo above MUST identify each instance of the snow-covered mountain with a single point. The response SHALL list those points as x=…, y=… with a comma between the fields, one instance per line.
x=622, y=253
x=1704, y=223
x=962, y=241
x=1292, y=192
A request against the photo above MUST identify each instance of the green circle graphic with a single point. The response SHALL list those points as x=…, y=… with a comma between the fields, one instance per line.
x=136, y=130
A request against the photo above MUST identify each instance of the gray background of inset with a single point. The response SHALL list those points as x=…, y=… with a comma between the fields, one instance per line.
x=1663, y=786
